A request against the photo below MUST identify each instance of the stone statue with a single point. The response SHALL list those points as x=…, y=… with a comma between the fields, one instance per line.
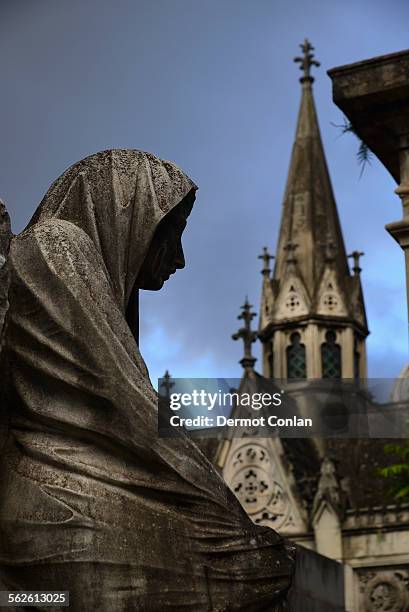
x=92, y=501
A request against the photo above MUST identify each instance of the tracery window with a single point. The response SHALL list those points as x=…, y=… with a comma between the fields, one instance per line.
x=296, y=358
x=331, y=356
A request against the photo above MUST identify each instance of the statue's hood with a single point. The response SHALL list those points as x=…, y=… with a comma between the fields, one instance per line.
x=117, y=197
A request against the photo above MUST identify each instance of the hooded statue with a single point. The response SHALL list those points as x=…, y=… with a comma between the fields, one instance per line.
x=92, y=500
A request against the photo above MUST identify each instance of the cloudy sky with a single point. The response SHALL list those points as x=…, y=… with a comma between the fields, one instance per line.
x=212, y=86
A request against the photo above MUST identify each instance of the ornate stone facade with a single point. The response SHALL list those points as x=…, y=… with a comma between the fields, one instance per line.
x=312, y=289
x=258, y=479
x=324, y=494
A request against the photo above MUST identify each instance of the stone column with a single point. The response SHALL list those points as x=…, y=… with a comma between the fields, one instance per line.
x=374, y=95
x=400, y=229
x=327, y=512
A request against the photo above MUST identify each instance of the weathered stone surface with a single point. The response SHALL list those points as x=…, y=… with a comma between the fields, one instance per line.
x=374, y=95
x=5, y=237
x=91, y=499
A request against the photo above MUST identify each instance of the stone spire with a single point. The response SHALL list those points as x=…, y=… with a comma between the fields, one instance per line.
x=247, y=335
x=311, y=291
x=309, y=214
x=167, y=384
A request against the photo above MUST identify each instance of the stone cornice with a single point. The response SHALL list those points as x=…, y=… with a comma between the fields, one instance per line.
x=378, y=518
x=296, y=322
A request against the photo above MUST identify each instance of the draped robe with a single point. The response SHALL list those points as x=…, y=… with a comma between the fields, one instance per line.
x=91, y=499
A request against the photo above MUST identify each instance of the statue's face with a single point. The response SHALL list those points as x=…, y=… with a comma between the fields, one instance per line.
x=165, y=253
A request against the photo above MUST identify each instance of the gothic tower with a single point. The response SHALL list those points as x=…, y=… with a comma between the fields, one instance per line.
x=312, y=316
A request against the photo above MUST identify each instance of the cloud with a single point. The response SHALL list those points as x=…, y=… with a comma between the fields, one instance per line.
x=163, y=350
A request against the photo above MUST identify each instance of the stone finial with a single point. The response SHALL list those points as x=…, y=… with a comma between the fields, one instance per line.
x=167, y=383
x=247, y=335
x=329, y=489
x=356, y=255
x=306, y=61
x=265, y=256
x=328, y=512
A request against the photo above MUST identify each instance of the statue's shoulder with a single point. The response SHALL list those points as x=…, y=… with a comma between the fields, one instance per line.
x=54, y=244
x=50, y=234
x=50, y=227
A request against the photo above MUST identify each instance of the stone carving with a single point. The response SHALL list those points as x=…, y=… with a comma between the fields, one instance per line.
x=383, y=596
x=329, y=295
x=385, y=590
x=91, y=499
x=330, y=301
x=255, y=484
x=293, y=301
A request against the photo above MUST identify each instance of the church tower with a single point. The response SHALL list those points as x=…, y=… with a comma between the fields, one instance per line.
x=312, y=316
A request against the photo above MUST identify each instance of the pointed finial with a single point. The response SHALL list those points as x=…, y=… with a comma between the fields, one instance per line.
x=356, y=255
x=247, y=335
x=306, y=61
x=329, y=489
x=265, y=256
x=167, y=384
x=290, y=248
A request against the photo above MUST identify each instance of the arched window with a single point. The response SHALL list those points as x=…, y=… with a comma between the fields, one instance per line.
x=331, y=356
x=296, y=360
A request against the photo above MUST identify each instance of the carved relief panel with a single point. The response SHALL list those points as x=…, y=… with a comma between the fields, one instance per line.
x=254, y=479
x=330, y=301
x=384, y=590
x=292, y=300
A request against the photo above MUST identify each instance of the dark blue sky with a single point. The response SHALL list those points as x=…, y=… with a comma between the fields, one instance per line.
x=212, y=86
